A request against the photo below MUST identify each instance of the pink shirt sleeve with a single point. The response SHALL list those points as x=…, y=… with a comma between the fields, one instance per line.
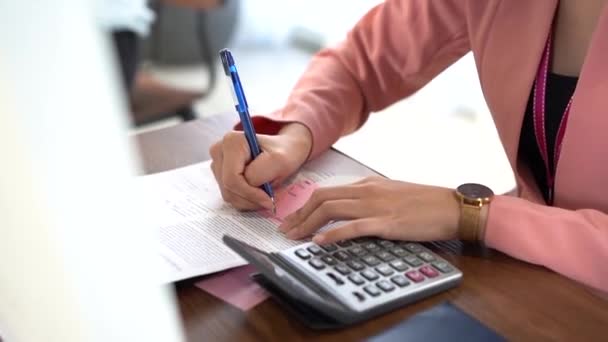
x=571, y=242
x=394, y=50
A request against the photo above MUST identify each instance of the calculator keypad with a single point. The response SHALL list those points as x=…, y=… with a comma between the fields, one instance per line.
x=371, y=268
x=317, y=264
x=428, y=271
x=329, y=260
x=314, y=249
x=302, y=253
x=415, y=276
x=370, y=275
x=356, y=279
x=385, y=286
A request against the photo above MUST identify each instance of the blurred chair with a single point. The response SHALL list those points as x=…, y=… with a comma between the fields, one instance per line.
x=186, y=32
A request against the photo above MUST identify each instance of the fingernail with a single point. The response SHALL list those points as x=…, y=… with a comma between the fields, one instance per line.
x=318, y=239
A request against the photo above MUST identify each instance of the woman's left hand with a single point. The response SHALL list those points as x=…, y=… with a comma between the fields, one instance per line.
x=379, y=207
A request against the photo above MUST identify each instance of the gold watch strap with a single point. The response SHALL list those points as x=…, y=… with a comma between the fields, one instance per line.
x=468, y=227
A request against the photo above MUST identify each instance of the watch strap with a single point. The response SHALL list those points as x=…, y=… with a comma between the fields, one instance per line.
x=468, y=225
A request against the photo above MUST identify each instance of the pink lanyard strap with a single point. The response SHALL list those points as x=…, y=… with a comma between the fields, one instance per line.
x=540, y=89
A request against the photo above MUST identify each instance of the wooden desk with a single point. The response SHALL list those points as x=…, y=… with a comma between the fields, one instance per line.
x=520, y=301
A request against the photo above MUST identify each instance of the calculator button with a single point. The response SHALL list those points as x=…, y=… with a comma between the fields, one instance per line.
x=412, y=247
x=356, y=279
x=386, y=243
x=329, y=248
x=369, y=275
x=302, y=253
x=399, y=265
x=344, y=243
x=371, y=247
x=442, y=266
x=359, y=296
x=335, y=278
x=385, y=256
x=385, y=270
x=371, y=260
x=400, y=280
x=400, y=252
x=385, y=286
x=415, y=276
x=317, y=264
x=357, y=251
x=329, y=260
x=372, y=290
x=428, y=271
x=314, y=249
x=413, y=261
x=342, y=269
x=341, y=255
x=355, y=265
x=426, y=256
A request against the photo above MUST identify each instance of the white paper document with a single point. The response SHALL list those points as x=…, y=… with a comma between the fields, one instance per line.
x=187, y=208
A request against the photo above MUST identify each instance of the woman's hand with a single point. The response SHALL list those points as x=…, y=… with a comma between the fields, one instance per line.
x=240, y=179
x=379, y=207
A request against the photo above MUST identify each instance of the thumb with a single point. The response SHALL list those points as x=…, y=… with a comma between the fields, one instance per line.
x=264, y=168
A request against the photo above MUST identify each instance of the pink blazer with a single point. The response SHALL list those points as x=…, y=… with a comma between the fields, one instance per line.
x=401, y=45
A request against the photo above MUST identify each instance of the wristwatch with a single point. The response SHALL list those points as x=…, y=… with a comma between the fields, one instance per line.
x=472, y=198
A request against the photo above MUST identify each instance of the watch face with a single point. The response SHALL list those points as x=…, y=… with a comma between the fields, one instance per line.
x=473, y=190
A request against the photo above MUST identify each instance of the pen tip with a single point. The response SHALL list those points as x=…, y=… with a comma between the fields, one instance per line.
x=274, y=206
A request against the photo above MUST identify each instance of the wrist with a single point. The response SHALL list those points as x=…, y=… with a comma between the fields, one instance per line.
x=474, y=201
x=451, y=214
x=300, y=136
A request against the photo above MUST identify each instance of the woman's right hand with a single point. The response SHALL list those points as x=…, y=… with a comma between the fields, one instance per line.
x=240, y=178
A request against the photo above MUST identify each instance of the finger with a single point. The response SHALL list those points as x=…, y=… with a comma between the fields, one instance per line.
x=237, y=185
x=277, y=183
x=235, y=156
x=367, y=180
x=229, y=197
x=345, y=209
x=239, y=202
x=215, y=151
x=316, y=199
x=216, y=168
x=264, y=169
x=353, y=229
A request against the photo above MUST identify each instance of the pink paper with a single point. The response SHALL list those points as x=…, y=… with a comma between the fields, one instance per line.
x=235, y=287
x=292, y=198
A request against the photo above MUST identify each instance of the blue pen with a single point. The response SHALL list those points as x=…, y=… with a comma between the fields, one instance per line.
x=240, y=103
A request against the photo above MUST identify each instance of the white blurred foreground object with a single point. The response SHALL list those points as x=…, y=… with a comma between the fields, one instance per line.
x=75, y=264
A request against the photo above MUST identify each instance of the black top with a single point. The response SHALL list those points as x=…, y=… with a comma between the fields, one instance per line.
x=559, y=91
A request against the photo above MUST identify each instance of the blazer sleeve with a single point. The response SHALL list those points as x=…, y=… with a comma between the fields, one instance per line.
x=571, y=242
x=394, y=50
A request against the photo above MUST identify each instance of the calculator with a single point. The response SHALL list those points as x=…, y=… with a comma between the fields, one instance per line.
x=350, y=281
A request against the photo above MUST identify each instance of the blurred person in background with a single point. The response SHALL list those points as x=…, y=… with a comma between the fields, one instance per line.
x=542, y=67
x=127, y=21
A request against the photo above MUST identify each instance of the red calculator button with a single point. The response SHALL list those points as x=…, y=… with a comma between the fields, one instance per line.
x=428, y=271
x=415, y=276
